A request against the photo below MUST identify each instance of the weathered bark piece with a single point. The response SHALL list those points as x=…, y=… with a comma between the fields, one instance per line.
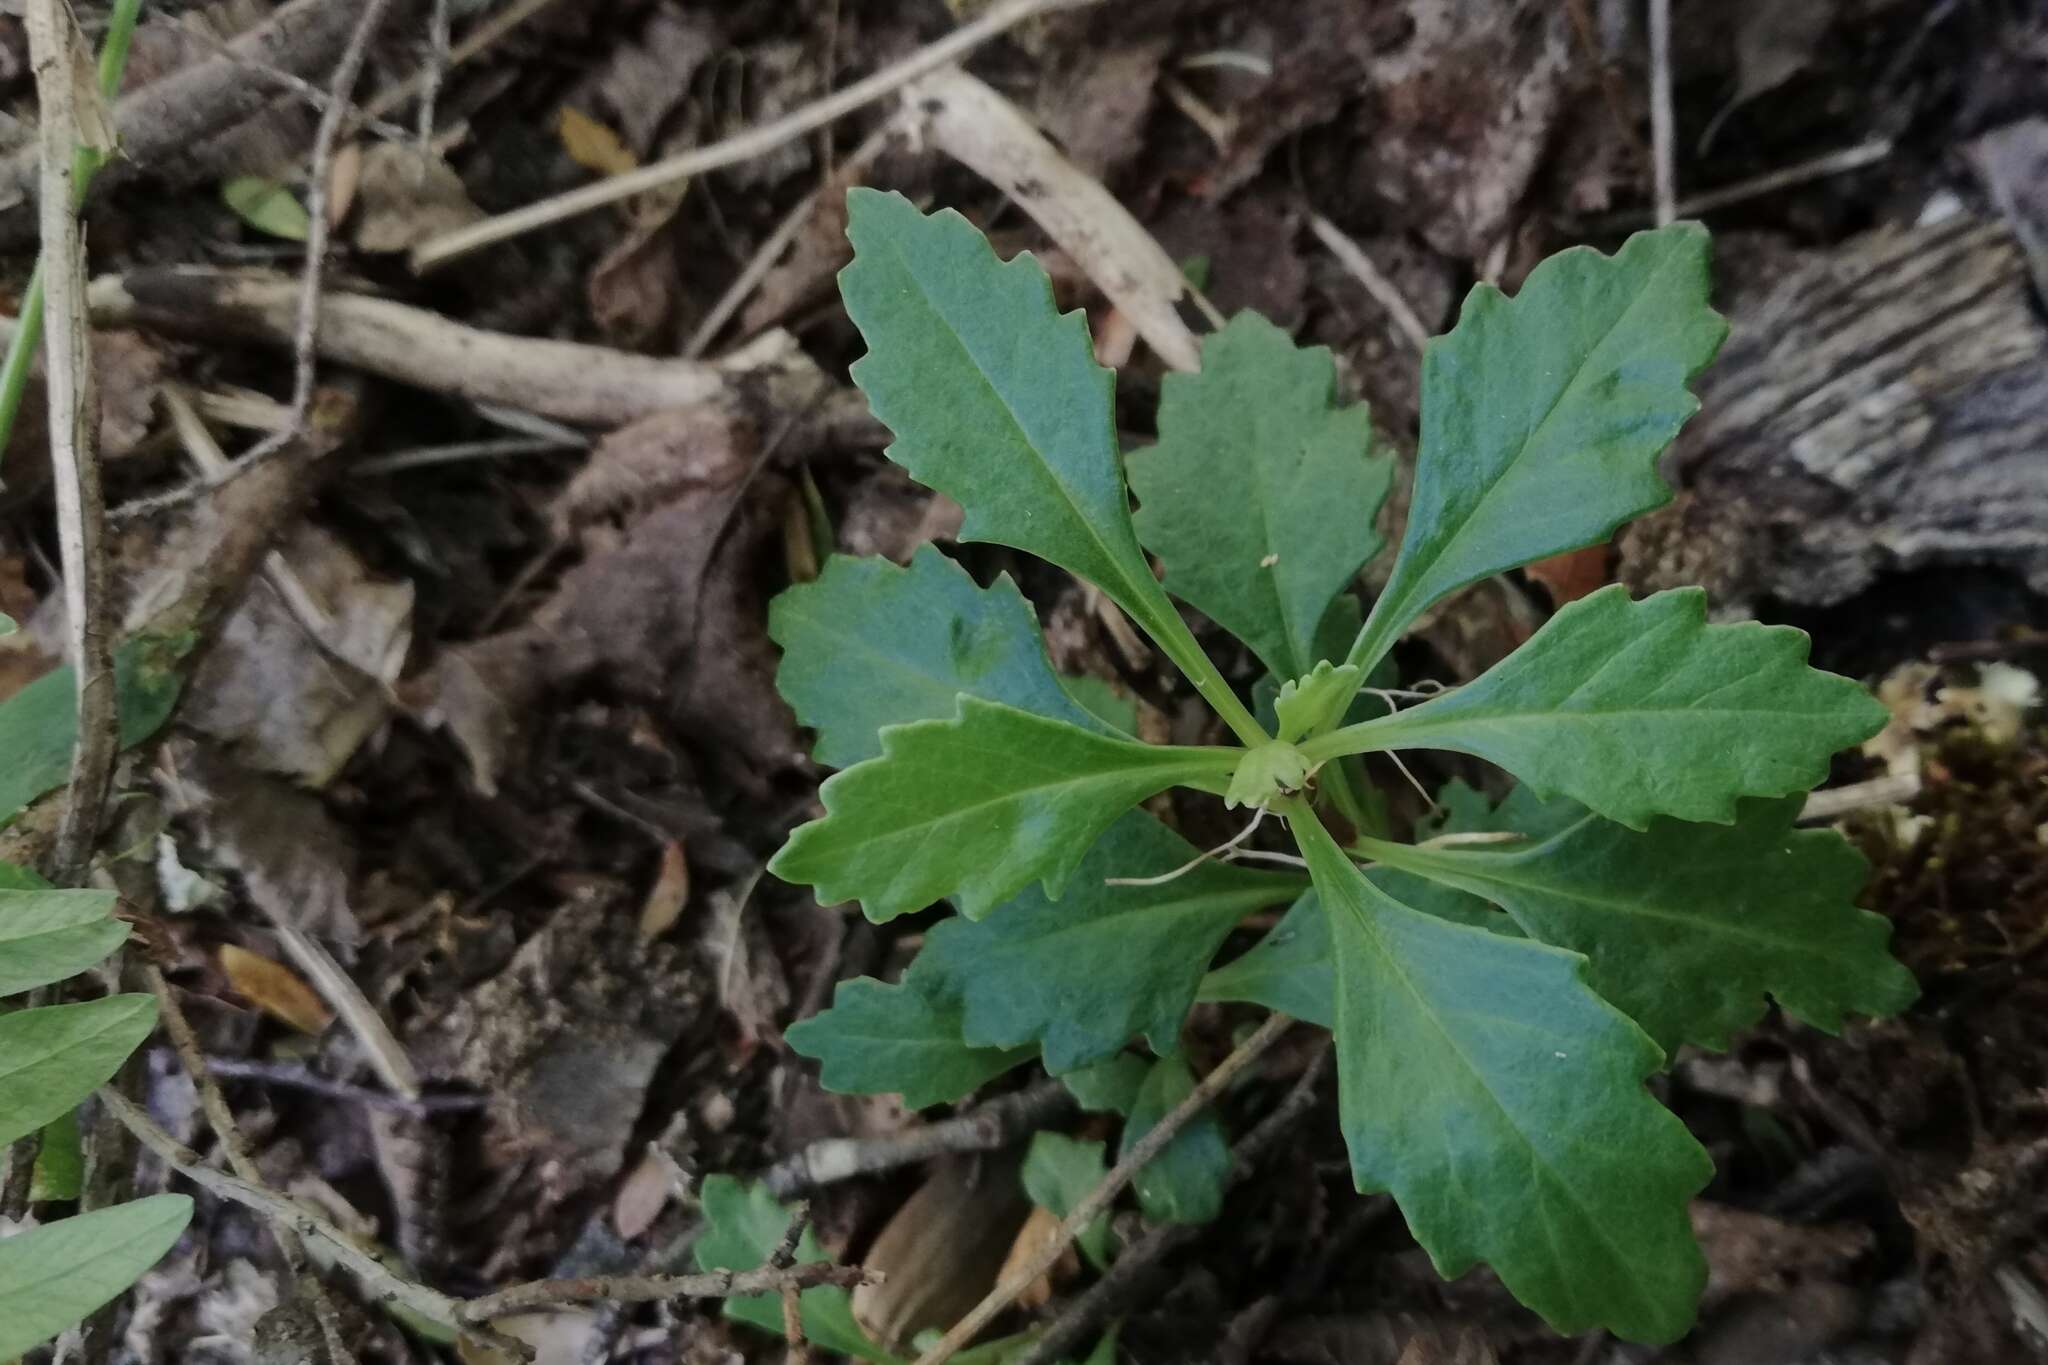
x=1881, y=406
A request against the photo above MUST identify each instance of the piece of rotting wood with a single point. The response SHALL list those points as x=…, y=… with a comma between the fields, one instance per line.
x=1881, y=406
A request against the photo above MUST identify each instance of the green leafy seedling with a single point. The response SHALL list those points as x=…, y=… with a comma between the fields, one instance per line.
x=52, y=1057
x=1497, y=1003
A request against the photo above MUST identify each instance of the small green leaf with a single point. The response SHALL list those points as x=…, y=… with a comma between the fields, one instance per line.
x=743, y=1225
x=1688, y=927
x=1260, y=497
x=38, y=724
x=1060, y=1172
x=46, y=936
x=1082, y=975
x=868, y=644
x=1500, y=1101
x=60, y=1161
x=996, y=400
x=1109, y=1087
x=977, y=808
x=1105, y=1348
x=7, y=626
x=878, y=1039
x=1304, y=704
x=1543, y=416
x=267, y=206
x=53, y=1057
x=1640, y=709
x=1186, y=1181
x=54, y=1276
x=1266, y=774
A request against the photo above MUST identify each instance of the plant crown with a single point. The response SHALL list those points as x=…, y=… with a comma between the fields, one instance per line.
x=1496, y=1004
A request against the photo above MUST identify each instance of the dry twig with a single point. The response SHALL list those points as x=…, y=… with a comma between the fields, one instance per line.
x=319, y=230
x=74, y=433
x=744, y=146
x=382, y=1282
x=976, y=126
x=168, y=117
x=222, y=1120
x=1114, y=1290
x=1663, y=126
x=1100, y=1198
x=1385, y=292
x=986, y=1128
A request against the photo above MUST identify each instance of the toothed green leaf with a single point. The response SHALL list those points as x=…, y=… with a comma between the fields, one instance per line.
x=1641, y=709
x=994, y=398
x=878, y=1039
x=1543, y=416
x=868, y=644
x=1083, y=975
x=55, y=1276
x=1260, y=497
x=977, y=808
x=1689, y=927
x=1186, y=1181
x=1485, y=1086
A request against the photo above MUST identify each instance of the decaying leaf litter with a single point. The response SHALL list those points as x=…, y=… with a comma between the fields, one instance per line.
x=481, y=658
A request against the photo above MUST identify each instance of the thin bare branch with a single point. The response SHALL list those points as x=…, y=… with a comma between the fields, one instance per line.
x=1360, y=266
x=319, y=230
x=1004, y=15
x=985, y=1128
x=74, y=433
x=1663, y=125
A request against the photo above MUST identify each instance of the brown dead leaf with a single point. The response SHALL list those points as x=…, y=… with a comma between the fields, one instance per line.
x=1040, y=1230
x=343, y=181
x=668, y=606
x=753, y=990
x=669, y=894
x=1096, y=107
x=632, y=291
x=1773, y=43
x=293, y=859
x=404, y=197
x=642, y=1195
x=275, y=989
x=1573, y=574
x=943, y=1249
x=1750, y=1253
x=129, y=369
x=284, y=701
x=648, y=77
x=592, y=145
